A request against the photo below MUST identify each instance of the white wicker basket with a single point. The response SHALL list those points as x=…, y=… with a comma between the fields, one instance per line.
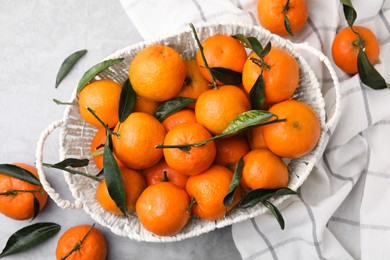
x=76, y=135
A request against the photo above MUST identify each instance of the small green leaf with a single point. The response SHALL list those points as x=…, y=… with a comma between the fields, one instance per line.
x=242, y=38
x=260, y=195
x=251, y=42
x=71, y=162
x=226, y=76
x=349, y=12
x=36, y=207
x=112, y=174
x=256, y=94
x=286, y=21
x=171, y=106
x=274, y=210
x=247, y=120
x=29, y=236
x=68, y=64
x=19, y=173
x=266, y=50
x=95, y=70
x=368, y=74
x=235, y=182
x=126, y=101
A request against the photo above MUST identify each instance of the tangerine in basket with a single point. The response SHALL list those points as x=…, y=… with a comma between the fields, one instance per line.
x=163, y=208
x=81, y=242
x=280, y=79
x=221, y=50
x=296, y=136
x=272, y=15
x=255, y=138
x=346, y=45
x=20, y=205
x=97, y=144
x=194, y=83
x=145, y=105
x=216, y=108
x=230, y=150
x=263, y=169
x=155, y=174
x=209, y=189
x=157, y=73
x=134, y=183
x=179, y=117
x=138, y=136
x=196, y=159
x=102, y=96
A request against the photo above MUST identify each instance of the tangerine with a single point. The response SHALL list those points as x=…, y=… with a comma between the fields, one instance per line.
x=230, y=150
x=145, y=105
x=179, y=117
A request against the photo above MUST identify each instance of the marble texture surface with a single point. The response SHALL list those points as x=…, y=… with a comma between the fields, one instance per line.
x=35, y=37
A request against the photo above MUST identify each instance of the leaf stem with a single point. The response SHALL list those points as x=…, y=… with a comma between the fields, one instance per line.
x=78, y=245
x=59, y=102
x=14, y=192
x=73, y=172
x=261, y=63
x=102, y=123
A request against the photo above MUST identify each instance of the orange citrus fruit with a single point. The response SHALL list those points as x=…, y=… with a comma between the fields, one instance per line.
x=197, y=159
x=145, y=105
x=93, y=245
x=346, y=45
x=280, y=80
x=163, y=208
x=155, y=174
x=134, y=183
x=263, y=169
x=221, y=50
x=230, y=150
x=255, y=138
x=102, y=96
x=139, y=134
x=157, y=73
x=20, y=205
x=296, y=136
x=179, y=117
x=209, y=188
x=216, y=108
x=272, y=16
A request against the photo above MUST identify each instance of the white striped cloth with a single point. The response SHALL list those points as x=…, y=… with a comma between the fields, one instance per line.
x=342, y=210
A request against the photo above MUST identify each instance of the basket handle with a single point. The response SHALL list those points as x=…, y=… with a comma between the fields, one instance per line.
x=62, y=203
x=331, y=122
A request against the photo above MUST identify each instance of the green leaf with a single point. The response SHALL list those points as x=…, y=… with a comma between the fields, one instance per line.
x=19, y=173
x=71, y=162
x=286, y=21
x=171, y=106
x=274, y=210
x=68, y=64
x=349, y=12
x=253, y=197
x=226, y=76
x=29, y=236
x=36, y=208
x=256, y=94
x=266, y=50
x=95, y=70
x=113, y=176
x=247, y=120
x=235, y=182
x=126, y=101
x=368, y=74
x=250, y=42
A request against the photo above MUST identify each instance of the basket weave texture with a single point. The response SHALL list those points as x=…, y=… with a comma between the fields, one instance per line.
x=76, y=135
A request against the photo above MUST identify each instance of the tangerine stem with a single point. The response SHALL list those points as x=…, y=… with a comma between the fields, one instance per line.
x=192, y=203
x=102, y=123
x=14, y=192
x=74, y=172
x=78, y=245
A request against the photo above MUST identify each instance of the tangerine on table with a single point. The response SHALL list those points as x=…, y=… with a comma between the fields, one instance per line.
x=139, y=134
x=179, y=117
x=155, y=174
x=263, y=169
x=157, y=73
x=216, y=108
x=346, y=45
x=194, y=83
x=197, y=159
x=163, y=208
x=94, y=245
x=280, y=80
x=102, y=96
x=221, y=50
x=230, y=150
x=145, y=105
x=209, y=188
x=271, y=15
x=97, y=143
x=296, y=136
x=20, y=206
x=134, y=183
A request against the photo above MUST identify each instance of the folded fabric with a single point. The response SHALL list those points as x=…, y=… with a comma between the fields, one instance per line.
x=341, y=211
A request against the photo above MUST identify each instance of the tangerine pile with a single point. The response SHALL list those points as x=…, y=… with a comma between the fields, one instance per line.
x=167, y=182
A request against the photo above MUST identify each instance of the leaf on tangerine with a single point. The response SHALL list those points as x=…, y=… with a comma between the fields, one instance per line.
x=171, y=106
x=349, y=12
x=235, y=182
x=256, y=94
x=126, y=101
x=226, y=76
x=19, y=173
x=247, y=120
x=35, y=208
x=368, y=74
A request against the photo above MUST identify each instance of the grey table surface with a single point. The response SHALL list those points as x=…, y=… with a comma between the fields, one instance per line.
x=35, y=37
